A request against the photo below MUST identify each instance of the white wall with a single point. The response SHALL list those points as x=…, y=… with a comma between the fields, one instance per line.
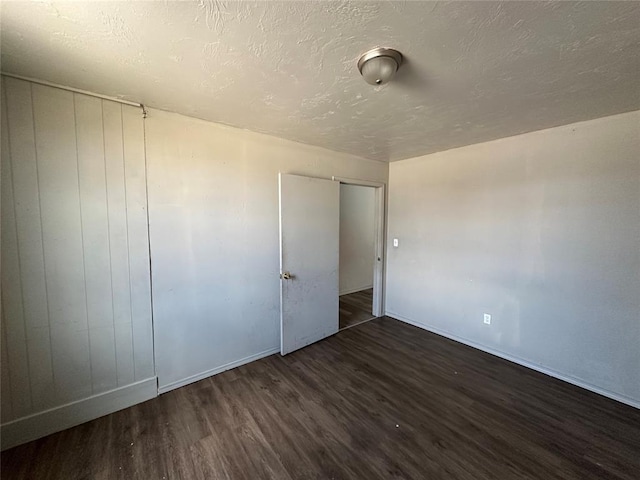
x=76, y=309
x=540, y=230
x=357, y=237
x=213, y=204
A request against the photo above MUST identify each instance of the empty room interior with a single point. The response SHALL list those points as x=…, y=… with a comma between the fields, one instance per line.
x=320, y=240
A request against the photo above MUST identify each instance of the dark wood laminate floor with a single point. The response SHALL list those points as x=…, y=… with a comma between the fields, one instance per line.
x=380, y=400
x=355, y=308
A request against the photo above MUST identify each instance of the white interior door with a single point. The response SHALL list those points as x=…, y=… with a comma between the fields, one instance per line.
x=309, y=255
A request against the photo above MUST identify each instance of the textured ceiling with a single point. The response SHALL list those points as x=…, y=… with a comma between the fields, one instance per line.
x=475, y=71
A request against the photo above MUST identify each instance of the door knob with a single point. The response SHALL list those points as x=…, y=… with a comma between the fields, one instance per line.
x=285, y=276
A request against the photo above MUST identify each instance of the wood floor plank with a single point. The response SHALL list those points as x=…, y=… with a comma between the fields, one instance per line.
x=355, y=308
x=380, y=400
x=362, y=299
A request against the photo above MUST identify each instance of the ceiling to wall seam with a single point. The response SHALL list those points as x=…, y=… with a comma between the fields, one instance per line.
x=76, y=90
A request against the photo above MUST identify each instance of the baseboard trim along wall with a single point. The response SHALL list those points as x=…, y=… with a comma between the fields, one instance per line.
x=215, y=371
x=71, y=414
x=552, y=373
x=354, y=290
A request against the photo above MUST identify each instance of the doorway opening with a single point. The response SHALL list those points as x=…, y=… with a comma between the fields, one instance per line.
x=361, y=249
x=309, y=257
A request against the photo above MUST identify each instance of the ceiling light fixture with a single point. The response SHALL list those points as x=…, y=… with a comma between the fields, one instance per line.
x=379, y=65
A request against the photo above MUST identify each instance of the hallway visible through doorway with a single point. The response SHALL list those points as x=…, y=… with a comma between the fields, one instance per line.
x=355, y=308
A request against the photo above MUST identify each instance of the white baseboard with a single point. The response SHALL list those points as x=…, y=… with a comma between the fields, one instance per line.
x=71, y=414
x=539, y=368
x=354, y=290
x=215, y=371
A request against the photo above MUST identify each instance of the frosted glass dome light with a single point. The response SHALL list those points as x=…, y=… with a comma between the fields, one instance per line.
x=379, y=66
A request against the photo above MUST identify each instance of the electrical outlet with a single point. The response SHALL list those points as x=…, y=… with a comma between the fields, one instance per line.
x=395, y=242
x=487, y=319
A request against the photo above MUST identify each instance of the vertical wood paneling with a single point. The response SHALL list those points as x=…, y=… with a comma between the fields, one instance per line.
x=119, y=241
x=6, y=413
x=71, y=358
x=6, y=394
x=124, y=347
x=41, y=367
x=95, y=230
x=54, y=120
x=75, y=275
x=29, y=234
x=103, y=358
x=5, y=388
x=12, y=309
x=27, y=201
x=140, y=276
x=60, y=203
x=93, y=198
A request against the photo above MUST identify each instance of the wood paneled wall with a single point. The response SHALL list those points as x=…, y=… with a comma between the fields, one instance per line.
x=76, y=300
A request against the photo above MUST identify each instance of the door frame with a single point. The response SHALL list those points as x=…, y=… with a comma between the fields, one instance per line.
x=379, y=259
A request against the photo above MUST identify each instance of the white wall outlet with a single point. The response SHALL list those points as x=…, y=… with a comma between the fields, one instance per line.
x=487, y=319
x=395, y=242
